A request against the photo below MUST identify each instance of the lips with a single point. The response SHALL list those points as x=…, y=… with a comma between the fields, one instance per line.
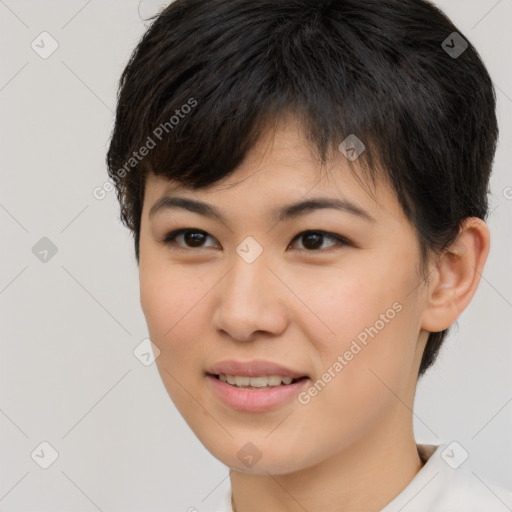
x=255, y=398
x=253, y=368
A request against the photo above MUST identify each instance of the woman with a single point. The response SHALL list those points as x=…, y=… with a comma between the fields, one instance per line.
x=306, y=183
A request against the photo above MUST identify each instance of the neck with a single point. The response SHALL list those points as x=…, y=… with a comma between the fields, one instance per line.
x=365, y=476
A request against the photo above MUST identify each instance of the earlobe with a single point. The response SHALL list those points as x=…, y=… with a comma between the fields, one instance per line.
x=456, y=276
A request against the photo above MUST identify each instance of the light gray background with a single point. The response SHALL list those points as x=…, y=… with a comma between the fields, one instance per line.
x=69, y=326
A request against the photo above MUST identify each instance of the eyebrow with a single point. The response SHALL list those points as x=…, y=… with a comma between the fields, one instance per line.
x=283, y=213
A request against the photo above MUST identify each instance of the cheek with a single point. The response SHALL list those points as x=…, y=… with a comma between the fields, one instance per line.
x=349, y=302
x=167, y=296
x=363, y=368
x=370, y=346
x=173, y=305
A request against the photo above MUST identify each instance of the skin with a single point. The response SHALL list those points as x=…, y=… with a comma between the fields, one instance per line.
x=352, y=447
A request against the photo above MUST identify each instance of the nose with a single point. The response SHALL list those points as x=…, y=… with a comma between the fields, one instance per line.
x=250, y=302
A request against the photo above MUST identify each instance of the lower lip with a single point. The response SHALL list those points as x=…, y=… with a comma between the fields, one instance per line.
x=255, y=400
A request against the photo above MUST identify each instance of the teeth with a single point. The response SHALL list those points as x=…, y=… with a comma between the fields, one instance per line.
x=274, y=380
x=255, y=382
x=242, y=381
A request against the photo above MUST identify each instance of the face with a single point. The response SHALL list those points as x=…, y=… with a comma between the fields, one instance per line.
x=329, y=296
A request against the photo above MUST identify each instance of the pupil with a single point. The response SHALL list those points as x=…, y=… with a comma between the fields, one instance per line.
x=317, y=238
x=194, y=238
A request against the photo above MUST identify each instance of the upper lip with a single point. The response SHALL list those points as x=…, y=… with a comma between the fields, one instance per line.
x=253, y=368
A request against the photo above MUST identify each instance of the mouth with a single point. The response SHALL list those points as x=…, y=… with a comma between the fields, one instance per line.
x=254, y=385
x=257, y=382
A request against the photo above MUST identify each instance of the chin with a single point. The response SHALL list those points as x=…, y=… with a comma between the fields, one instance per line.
x=251, y=460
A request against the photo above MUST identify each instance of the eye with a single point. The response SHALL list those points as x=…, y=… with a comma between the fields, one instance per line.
x=192, y=236
x=313, y=240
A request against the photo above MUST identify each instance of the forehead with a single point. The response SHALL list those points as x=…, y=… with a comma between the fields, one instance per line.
x=281, y=168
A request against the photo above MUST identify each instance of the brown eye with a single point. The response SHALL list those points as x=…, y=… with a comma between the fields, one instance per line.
x=312, y=241
x=187, y=238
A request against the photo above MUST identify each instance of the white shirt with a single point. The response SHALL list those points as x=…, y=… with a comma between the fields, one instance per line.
x=437, y=487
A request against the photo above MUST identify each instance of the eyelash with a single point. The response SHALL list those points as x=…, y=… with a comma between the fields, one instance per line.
x=169, y=240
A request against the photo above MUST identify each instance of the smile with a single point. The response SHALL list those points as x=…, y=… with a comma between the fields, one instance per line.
x=263, y=381
x=264, y=396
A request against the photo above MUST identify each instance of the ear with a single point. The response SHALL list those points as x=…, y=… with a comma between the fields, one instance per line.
x=454, y=280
